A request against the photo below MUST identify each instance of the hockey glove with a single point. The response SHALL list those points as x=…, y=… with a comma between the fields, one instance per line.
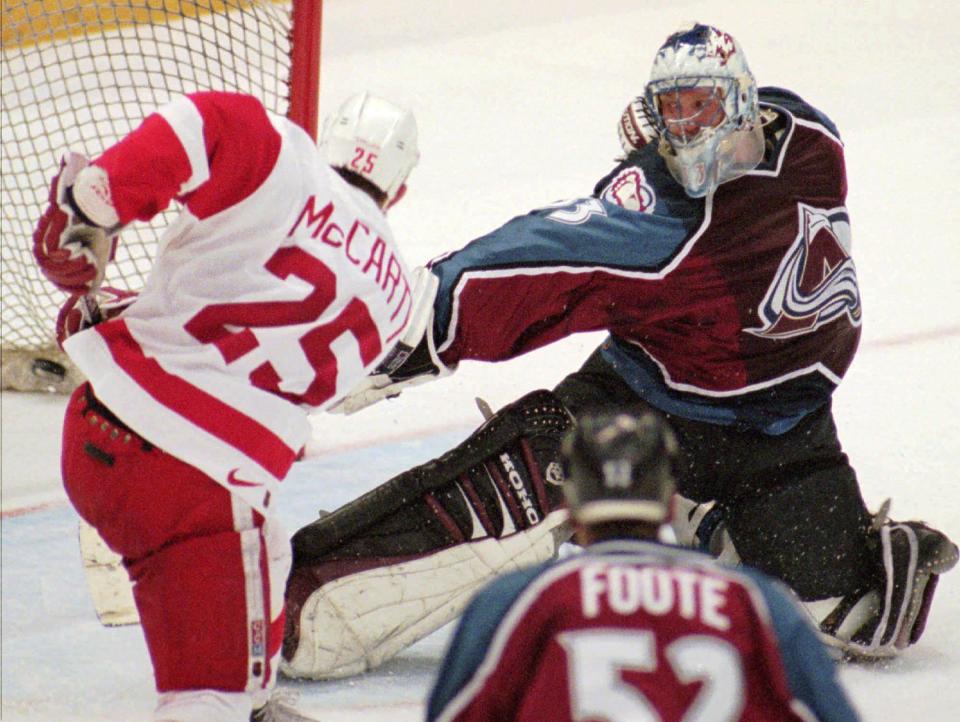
x=412, y=361
x=81, y=312
x=634, y=129
x=76, y=236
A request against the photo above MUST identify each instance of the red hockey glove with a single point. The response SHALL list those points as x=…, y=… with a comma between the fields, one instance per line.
x=81, y=312
x=71, y=249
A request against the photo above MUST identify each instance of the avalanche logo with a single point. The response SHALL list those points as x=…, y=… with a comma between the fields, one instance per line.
x=629, y=189
x=720, y=45
x=816, y=282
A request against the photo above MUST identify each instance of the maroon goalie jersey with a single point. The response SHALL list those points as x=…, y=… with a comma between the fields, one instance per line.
x=631, y=632
x=740, y=309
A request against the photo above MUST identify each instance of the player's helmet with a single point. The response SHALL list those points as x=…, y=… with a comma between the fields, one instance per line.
x=726, y=143
x=373, y=138
x=619, y=467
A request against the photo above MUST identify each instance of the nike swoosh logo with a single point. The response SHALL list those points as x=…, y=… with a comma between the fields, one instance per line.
x=232, y=479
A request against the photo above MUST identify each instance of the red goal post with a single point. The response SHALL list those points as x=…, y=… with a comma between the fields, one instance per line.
x=79, y=75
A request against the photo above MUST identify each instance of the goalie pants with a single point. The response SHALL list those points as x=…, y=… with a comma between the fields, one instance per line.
x=208, y=570
x=791, y=502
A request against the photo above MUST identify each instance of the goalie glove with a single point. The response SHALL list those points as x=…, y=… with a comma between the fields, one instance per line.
x=81, y=312
x=76, y=236
x=634, y=129
x=412, y=361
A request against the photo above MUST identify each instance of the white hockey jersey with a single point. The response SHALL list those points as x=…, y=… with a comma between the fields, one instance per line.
x=276, y=290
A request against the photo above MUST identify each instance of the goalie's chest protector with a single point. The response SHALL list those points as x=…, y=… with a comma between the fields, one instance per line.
x=282, y=300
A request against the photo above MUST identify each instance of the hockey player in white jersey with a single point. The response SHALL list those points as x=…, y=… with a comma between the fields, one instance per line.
x=276, y=289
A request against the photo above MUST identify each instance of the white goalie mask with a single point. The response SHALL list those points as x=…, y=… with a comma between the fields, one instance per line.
x=375, y=139
x=702, y=99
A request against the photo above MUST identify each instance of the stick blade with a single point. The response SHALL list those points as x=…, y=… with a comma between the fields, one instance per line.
x=107, y=579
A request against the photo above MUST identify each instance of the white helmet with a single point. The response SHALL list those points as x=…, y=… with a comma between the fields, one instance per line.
x=373, y=138
x=704, y=57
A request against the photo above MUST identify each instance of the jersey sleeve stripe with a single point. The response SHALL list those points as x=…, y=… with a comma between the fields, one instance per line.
x=187, y=123
x=208, y=413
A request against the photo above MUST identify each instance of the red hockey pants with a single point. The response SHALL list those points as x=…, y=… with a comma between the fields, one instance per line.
x=208, y=570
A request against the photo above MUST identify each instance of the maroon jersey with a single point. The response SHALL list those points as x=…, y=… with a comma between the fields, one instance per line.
x=740, y=308
x=635, y=632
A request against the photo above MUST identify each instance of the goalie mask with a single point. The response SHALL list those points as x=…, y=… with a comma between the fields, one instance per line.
x=702, y=99
x=619, y=467
x=375, y=139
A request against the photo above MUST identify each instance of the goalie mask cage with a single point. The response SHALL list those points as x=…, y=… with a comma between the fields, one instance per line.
x=79, y=75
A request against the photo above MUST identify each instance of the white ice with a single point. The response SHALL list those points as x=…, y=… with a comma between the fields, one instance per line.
x=517, y=105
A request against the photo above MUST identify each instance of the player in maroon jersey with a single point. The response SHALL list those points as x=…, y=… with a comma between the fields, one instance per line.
x=630, y=629
x=717, y=255
x=196, y=404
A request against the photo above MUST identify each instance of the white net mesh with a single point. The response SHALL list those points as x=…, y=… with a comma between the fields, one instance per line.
x=79, y=75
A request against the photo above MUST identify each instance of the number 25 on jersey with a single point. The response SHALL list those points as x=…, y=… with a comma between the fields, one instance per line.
x=211, y=326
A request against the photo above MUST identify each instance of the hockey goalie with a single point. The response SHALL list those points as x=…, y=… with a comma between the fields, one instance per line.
x=717, y=254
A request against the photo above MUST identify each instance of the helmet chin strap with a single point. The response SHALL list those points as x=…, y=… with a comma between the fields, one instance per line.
x=397, y=197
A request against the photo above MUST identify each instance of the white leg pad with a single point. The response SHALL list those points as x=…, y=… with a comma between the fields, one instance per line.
x=359, y=621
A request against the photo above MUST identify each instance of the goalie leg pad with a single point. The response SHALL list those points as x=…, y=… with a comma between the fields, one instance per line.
x=539, y=419
x=488, y=505
x=355, y=622
x=891, y=615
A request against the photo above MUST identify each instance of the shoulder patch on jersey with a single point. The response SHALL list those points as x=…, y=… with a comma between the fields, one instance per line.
x=629, y=189
x=816, y=281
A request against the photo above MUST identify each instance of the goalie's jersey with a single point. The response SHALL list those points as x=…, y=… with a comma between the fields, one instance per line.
x=277, y=288
x=740, y=308
x=635, y=631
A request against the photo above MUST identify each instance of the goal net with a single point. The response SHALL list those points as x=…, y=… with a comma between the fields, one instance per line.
x=79, y=75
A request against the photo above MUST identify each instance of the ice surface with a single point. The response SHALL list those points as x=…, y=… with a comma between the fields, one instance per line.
x=517, y=105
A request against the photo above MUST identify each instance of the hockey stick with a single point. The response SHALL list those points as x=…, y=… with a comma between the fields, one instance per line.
x=107, y=579
x=110, y=588
x=90, y=309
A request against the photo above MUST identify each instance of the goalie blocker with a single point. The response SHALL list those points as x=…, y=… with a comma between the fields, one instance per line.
x=387, y=569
